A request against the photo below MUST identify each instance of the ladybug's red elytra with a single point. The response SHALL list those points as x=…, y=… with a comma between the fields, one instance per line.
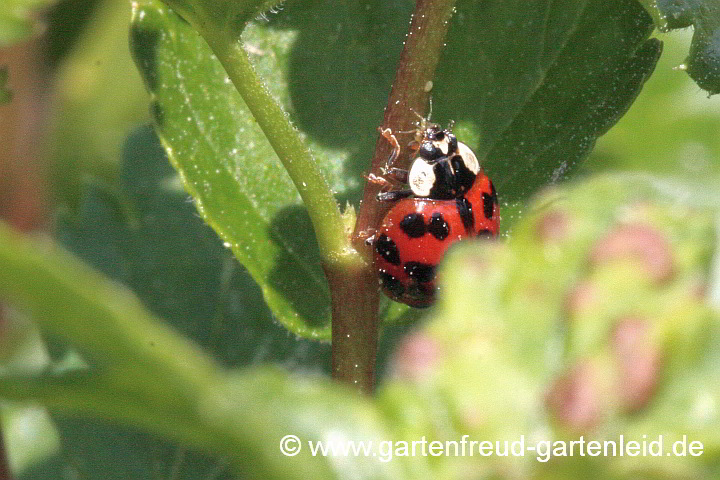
x=449, y=198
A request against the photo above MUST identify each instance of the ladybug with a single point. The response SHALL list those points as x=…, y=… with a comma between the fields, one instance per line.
x=449, y=198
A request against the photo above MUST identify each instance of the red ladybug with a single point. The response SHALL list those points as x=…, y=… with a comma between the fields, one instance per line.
x=451, y=198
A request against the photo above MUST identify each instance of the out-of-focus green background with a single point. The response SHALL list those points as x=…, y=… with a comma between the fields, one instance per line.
x=78, y=98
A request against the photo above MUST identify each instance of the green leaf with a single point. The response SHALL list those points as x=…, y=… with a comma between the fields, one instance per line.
x=542, y=82
x=17, y=19
x=143, y=374
x=97, y=450
x=532, y=99
x=703, y=62
x=526, y=97
x=149, y=237
x=240, y=187
x=5, y=92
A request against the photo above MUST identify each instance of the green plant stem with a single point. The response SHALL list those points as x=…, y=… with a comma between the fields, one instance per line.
x=409, y=94
x=353, y=296
x=285, y=140
x=354, y=292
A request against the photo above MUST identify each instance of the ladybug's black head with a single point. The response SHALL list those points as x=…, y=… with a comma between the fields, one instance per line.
x=437, y=142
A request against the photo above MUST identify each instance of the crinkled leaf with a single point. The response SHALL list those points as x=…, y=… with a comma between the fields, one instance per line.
x=703, y=62
x=593, y=320
x=18, y=19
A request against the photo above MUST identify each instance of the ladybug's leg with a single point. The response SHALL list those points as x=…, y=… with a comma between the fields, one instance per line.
x=368, y=235
x=387, y=180
x=390, y=137
x=398, y=174
x=379, y=180
x=393, y=195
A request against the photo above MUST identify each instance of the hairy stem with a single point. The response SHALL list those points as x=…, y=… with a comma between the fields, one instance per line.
x=353, y=290
x=285, y=140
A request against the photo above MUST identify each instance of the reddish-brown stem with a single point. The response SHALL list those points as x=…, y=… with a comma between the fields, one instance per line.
x=354, y=339
x=409, y=94
x=354, y=289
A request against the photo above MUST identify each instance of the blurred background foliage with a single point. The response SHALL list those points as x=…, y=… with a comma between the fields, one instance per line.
x=78, y=121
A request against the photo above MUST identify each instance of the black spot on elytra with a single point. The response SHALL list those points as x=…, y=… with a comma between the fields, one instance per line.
x=464, y=208
x=387, y=249
x=438, y=227
x=493, y=193
x=485, y=233
x=488, y=205
x=420, y=272
x=413, y=225
x=391, y=284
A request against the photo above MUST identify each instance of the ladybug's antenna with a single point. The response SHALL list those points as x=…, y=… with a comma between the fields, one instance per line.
x=422, y=120
x=429, y=108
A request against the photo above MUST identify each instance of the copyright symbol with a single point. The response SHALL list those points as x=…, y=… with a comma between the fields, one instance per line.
x=290, y=445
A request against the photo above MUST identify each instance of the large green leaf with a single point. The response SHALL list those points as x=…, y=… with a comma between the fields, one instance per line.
x=542, y=82
x=678, y=124
x=237, y=181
